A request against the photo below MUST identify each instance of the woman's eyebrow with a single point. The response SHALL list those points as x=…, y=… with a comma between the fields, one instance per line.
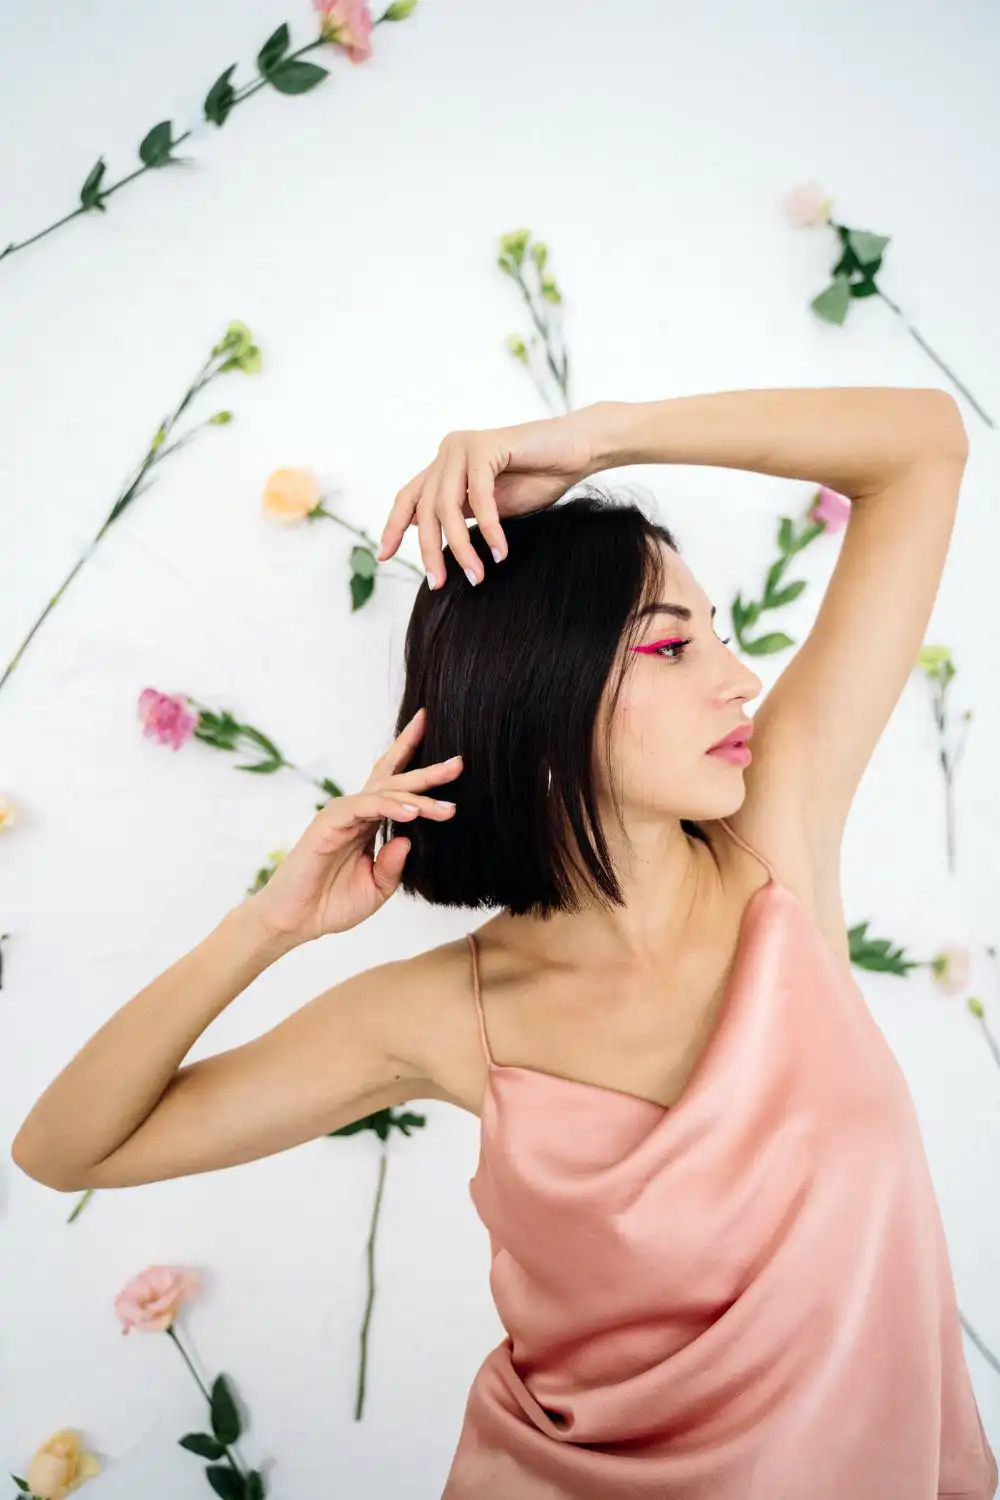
x=681, y=611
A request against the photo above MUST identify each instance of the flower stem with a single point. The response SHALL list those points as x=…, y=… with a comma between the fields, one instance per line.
x=171, y=1331
x=561, y=377
x=987, y=1353
x=153, y=456
x=81, y=1205
x=371, y=1286
x=329, y=515
x=936, y=358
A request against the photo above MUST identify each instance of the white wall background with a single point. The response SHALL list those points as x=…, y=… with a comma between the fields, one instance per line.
x=354, y=230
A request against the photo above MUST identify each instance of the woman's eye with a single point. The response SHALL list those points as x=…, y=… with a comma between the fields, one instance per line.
x=679, y=648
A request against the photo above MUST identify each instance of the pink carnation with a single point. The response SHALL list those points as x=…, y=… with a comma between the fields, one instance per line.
x=832, y=509
x=152, y=1300
x=349, y=24
x=165, y=718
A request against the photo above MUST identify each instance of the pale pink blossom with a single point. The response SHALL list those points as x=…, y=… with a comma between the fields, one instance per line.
x=349, y=24
x=59, y=1466
x=166, y=718
x=952, y=970
x=832, y=509
x=151, y=1301
x=808, y=206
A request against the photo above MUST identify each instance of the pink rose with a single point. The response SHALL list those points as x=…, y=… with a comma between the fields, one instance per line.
x=832, y=509
x=165, y=718
x=151, y=1300
x=59, y=1466
x=952, y=969
x=808, y=206
x=349, y=24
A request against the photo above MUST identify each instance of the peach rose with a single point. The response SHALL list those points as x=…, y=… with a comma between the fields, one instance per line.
x=290, y=494
x=59, y=1466
x=152, y=1300
x=7, y=813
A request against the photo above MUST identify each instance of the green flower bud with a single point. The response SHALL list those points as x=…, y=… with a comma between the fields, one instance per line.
x=516, y=347
x=975, y=1006
x=236, y=337
x=251, y=361
x=550, y=291
x=515, y=244
x=931, y=658
x=158, y=440
x=399, y=10
x=221, y=418
x=540, y=254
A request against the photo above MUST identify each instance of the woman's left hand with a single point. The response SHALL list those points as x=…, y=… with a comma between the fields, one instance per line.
x=495, y=472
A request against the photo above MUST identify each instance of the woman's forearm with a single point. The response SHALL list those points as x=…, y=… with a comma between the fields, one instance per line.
x=117, y=1078
x=854, y=439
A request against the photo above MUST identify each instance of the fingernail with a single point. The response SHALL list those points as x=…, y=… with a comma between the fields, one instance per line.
x=497, y=554
x=446, y=804
x=470, y=575
x=431, y=581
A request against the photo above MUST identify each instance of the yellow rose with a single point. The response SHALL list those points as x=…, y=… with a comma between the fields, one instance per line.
x=290, y=494
x=7, y=813
x=59, y=1466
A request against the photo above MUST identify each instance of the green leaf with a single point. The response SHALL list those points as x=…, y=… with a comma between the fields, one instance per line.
x=21, y=1483
x=866, y=246
x=363, y=561
x=331, y=787
x=155, y=146
x=866, y=288
x=90, y=193
x=362, y=588
x=225, y=1417
x=766, y=645
x=202, y=1444
x=786, y=595
x=273, y=49
x=751, y=613
x=255, y=1485
x=225, y=1482
x=773, y=577
x=786, y=536
x=832, y=304
x=294, y=77
x=220, y=98
x=877, y=954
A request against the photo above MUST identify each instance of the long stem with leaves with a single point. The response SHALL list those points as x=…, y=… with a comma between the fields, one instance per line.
x=277, y=68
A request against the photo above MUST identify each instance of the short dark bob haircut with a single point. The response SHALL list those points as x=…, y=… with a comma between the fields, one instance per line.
x=511, y=674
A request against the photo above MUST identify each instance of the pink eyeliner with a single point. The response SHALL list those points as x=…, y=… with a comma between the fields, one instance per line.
x=655, y=645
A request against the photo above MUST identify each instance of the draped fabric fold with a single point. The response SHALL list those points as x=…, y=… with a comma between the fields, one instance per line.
x=746, y=1296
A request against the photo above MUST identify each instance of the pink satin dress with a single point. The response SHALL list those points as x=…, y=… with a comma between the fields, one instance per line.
x=746, y=1296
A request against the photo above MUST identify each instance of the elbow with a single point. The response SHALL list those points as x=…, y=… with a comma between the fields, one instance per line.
x=45, y=1172
x=943, y=429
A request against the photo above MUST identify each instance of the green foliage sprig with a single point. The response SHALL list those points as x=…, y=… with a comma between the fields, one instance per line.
x=521, y=259
x=234, y=351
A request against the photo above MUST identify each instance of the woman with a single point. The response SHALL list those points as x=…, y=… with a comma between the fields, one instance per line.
x=716, y=1247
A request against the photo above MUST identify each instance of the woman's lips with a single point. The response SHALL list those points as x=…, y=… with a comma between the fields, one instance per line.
x=736, y=755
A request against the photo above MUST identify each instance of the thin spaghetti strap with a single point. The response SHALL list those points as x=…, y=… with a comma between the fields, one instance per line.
x=479, y=999
x=750, y=849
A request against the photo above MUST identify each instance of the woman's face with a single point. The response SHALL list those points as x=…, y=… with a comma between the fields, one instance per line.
x=683, y=691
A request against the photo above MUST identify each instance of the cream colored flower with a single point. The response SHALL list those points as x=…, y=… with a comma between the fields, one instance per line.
x=60, y=1465
x=952, y=969
x=807, y=206
x=290, y=494
x=7, y=812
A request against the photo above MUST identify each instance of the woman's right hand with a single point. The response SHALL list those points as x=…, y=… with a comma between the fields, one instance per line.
x=330, y=882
